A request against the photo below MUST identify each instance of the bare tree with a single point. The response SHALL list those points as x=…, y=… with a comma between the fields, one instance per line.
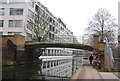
x=39, y=28
x=102, y=24
x=87, y=39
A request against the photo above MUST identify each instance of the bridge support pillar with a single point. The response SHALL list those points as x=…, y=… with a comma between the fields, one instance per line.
x=99, y=50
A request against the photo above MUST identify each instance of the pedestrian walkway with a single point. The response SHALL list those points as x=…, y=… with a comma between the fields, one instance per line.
x=87, y=72
x=108, y=75
x=117, y=74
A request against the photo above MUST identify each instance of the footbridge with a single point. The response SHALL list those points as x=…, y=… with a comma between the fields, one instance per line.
x=14, y=48
x=58, y=45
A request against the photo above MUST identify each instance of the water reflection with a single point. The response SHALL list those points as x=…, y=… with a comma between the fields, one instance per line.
x=28, y=71
x=58, y=69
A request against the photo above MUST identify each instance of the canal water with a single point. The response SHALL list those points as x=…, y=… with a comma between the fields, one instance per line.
x=27, y=71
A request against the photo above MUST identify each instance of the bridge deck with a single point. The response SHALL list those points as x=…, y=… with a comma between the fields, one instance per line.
x=58, y=45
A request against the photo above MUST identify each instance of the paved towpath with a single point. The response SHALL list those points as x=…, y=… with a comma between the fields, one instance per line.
x=87, y=72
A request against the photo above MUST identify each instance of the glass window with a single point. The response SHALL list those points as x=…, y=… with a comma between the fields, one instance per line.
x=48, y=64
x=1, y=33
x=16, y=11
x=1, y=11
x=50, y=35
x=15, y=23
x=31, y=3
x=29, y=25
x=16, y=1
x=28, y=37
x=119, y=39
x=44, y=64
x=1, y=23
x=13, y=33
x=3, y=1
x=30, y=14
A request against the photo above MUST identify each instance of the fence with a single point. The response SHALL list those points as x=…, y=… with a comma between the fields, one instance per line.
x=108, y=52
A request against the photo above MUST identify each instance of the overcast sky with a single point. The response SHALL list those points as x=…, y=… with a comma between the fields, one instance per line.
x=76, y=13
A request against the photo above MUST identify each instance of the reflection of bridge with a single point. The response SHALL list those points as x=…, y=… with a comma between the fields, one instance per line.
x=58, y=45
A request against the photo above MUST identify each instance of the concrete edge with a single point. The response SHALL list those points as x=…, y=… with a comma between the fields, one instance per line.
x=75, y=75
x=99, y=74
x=108, y=78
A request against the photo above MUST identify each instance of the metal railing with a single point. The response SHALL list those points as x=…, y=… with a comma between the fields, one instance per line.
x=109, y=53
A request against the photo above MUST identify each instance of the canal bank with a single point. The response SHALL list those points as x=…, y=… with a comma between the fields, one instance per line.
x=14, y=52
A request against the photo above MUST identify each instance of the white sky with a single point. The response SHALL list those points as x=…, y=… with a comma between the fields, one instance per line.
x=76, y=13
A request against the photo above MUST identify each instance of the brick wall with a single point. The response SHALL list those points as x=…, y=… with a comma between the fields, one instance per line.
x=18, y=40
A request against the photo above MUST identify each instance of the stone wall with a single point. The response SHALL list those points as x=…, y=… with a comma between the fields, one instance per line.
x=97, y=45
x=18, y=40
x=8, y=55
x=18, y=55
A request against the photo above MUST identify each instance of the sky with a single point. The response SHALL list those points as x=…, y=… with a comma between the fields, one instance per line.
x=76, y=13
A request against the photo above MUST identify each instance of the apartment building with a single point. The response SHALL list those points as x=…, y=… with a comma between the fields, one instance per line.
x=119, y=22
x=14, y=16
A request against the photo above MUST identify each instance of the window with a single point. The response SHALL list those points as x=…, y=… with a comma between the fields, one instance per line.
x=50, y=27
x=50, y=35
x=28, y=37
x=29, y=25
x=1, y=33
x=16, y=11
x=1, y=11
x=13, y=33
x=15, y=23
x=31, y=3
x=44, y=64
x=30, y=14
x=3, y=1
x=119, y=39
x=50, y=19
x=48, y=64
x=16, y=1
x=1, y=23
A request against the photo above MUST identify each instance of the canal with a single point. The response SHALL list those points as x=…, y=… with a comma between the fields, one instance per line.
x=27, y=71
x=33, y=71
